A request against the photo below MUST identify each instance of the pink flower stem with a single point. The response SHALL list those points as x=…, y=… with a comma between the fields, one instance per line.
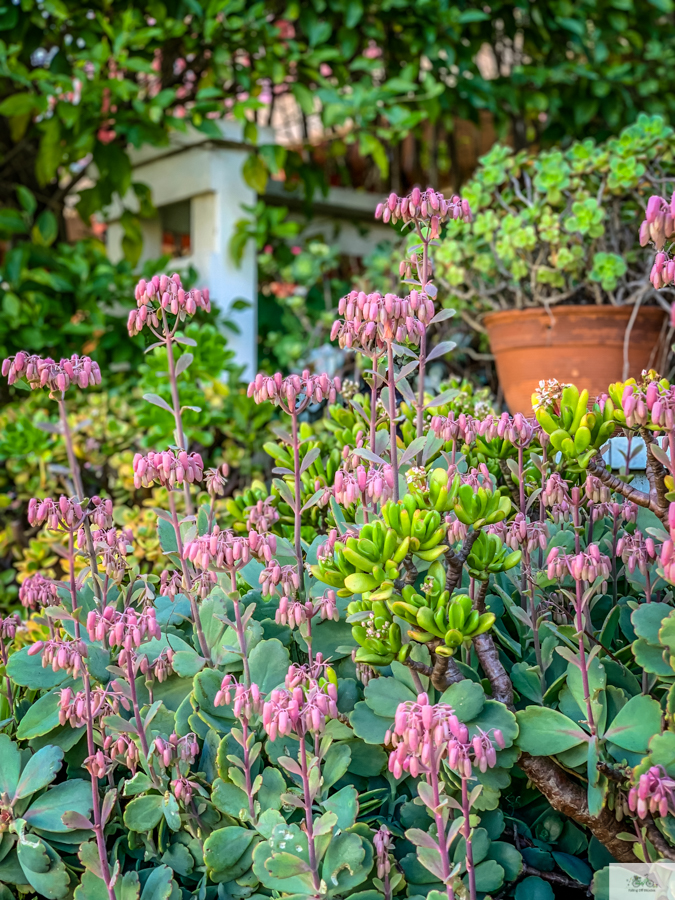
x=79, y=488
x=297, y=506
x=309, y=819
x=204, y=647
x=175, y=399
x=247, y=768
x=95, y=797
x=5, y=659
x=423, y=342
x=373, y=404
x=241, y=631
x=582, y=657
x=392, y=417
x=521, y=480
x=131, y=678
x=432, y=778
x=615, y=534
x=466, y=828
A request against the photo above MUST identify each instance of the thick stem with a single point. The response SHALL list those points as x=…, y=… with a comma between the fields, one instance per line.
x=241, y=631
x=466, y=831
x=203, y=646
x=309, y=819
x=392, y=417
x=648, y=501
x=175, y=400
x=298, y=502
x=432, y=778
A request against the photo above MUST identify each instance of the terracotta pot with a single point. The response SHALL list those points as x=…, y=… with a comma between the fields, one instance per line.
x=578, y=344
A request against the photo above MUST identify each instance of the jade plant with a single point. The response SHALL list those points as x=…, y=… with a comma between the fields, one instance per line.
x=557, y=226
x=457, y=683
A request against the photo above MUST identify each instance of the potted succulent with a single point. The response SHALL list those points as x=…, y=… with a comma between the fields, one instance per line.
x=551, y=269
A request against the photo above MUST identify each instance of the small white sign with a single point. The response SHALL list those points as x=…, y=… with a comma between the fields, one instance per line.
x=639, y=881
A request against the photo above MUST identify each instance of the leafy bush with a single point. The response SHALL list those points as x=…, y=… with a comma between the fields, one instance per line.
x=558, y=226
x=463, y=686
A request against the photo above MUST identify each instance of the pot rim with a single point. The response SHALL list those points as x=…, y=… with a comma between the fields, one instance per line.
x=569, y=310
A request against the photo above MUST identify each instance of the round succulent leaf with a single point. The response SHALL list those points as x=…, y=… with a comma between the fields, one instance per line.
x=43, y=868
x=47, y=811
x=383, y=695
x=10, y=770
x=368, y=726
x=533, y=888
x=510, y=859
x=489, y=876
x=495, y=715
x=144, y=813
x=636, y=724
x=545, y=732
x=466, y=698
x=40, y=770
x=648, y=618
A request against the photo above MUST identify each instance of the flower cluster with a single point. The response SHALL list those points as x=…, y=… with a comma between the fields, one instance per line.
x=248, y=701
x=654, y=793
x=101, y=512
x=102, y=702
x=296, y=614
x=57, y=376
x=225, y=549
x=66, y=655
x=167, y=294
x=168, y=468
x=171, y=583
x=124, y=747
x=216, y=479
x=301, y=709
x=176, y=749
x=127, y=628
x=455, y=428
x=36, y=591
x=184, y=789
x=548, y=394
x=374, y=484
x=9, y=625
x=371, y=321
x=520, y=533
x=65, y=513
x=587, y=565
x=294, y=392
x=262, y=515
x=636, y=551
x=517, y=430
x=423, y=734
x=275, y=575
x=429, y=207
x=383, y=844
x=659, y=223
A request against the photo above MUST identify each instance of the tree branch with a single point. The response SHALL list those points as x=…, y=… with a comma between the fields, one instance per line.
x=597, y=467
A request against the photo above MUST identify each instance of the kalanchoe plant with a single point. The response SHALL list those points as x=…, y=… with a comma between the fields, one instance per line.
x=439, y=664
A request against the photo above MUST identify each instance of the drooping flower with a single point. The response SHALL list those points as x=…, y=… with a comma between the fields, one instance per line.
x=295, y=392
x=302, y=709
x=47, y=373
x=371, y=321
x=428, y=207
x=36, y=591
x=169, y=468
x=176, y=749
x=248, y=701
x=60, y=654
x=654, y=793
x=164, y=293
x=636, y=551
x=226, y=550
x=64, y=513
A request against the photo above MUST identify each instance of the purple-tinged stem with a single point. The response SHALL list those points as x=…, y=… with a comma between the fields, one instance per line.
x=79, y=488
x=373, y=405
x=309, y=819
x=582, y=658
x=241, y=631
x=203, y=646
x=131, y=677
x=5, y=659
x=247, y=768
x=392, y=417
x=421, y=371
x=466, y=828
x=521, y=480
x=432, y=778
x=297, y=506
x=175, y=399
